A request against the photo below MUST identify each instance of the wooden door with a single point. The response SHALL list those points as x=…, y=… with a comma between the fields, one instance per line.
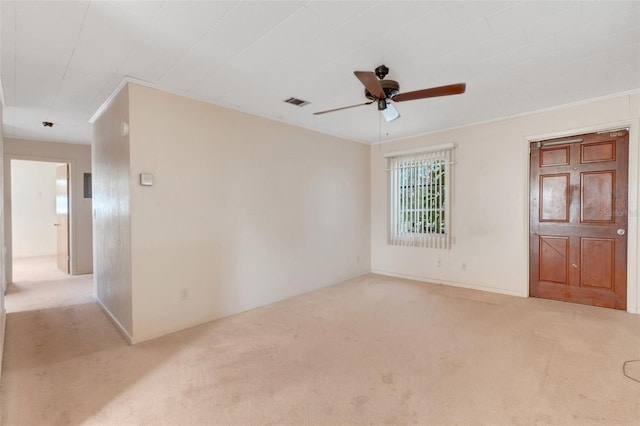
x=578, y=220
x=62, y=216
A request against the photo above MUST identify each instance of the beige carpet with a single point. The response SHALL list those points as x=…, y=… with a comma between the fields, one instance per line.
x=38, y=284
x=373, y=350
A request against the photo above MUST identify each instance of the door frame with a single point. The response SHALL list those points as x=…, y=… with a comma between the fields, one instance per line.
x=633, y=126
x=8, y=237
x=63, y=230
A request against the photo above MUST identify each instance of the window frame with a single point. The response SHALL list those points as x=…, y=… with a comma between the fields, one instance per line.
x=425, y=157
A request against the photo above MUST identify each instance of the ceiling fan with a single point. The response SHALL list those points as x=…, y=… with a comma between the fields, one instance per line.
x=382, y=91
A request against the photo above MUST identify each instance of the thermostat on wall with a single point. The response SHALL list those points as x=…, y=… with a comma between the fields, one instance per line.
x=146, y=179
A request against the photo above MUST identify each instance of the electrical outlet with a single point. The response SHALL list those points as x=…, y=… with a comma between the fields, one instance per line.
x=184, y=294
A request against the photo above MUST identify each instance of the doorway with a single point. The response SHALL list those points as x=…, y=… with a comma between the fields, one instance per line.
x=40, y=215
x=578, y=219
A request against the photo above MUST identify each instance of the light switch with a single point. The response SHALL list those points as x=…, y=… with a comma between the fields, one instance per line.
x=146, y=179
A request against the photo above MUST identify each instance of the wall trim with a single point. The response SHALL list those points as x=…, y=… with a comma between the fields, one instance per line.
x=128, y=79
x=48, y=140
x=449, y=283
x=195, y=97
x=511, y=117
x=115, y=322
x=110, y=98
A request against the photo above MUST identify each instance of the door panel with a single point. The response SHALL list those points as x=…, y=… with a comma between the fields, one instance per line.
x=62, y=216
x=597, y=256
x=598, y=152
x=554, y=259
x=578, y=204
x=597, y=196
x=554, y=201
x=554, y=156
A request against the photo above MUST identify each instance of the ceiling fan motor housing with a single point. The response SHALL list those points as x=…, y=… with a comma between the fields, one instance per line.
x=390, y=88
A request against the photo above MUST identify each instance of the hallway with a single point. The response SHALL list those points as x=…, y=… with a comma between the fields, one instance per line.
x=38, y=284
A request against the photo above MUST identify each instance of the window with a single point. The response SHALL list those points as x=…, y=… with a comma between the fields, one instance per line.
x=419, y=198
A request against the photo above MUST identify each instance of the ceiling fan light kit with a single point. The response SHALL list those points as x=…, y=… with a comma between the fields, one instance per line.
x=383, y=92
x=390, y=113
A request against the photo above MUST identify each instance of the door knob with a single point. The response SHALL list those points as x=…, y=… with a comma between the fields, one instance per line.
x=621, y=231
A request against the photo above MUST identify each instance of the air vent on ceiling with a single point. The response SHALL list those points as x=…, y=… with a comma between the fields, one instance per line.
x=297, y=102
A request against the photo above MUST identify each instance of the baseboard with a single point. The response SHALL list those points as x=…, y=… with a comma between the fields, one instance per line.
x=113, y=319
x=450, y=283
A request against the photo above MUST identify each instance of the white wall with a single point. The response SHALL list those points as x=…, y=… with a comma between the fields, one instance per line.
x=244, y=211
x=112, y=217
x=33, y=210
x=490, y=198
x=79, y=159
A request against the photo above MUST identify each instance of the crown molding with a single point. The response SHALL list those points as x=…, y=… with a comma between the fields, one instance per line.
x=106, y=103
x=510, y=117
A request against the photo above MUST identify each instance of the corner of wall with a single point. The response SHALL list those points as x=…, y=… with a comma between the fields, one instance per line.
x=115, y=321
x=111, y=211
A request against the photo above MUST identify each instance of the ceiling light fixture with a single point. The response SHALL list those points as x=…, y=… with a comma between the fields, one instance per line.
x=390, y=113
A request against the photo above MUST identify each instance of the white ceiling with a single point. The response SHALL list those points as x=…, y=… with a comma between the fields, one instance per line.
x=62, y=59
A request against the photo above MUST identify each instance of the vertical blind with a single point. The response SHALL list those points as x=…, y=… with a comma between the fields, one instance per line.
x=419, y=197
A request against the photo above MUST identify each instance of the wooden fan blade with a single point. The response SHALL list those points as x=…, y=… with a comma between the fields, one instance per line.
x=338, y=109
x=452, y=89
x=371, y=82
